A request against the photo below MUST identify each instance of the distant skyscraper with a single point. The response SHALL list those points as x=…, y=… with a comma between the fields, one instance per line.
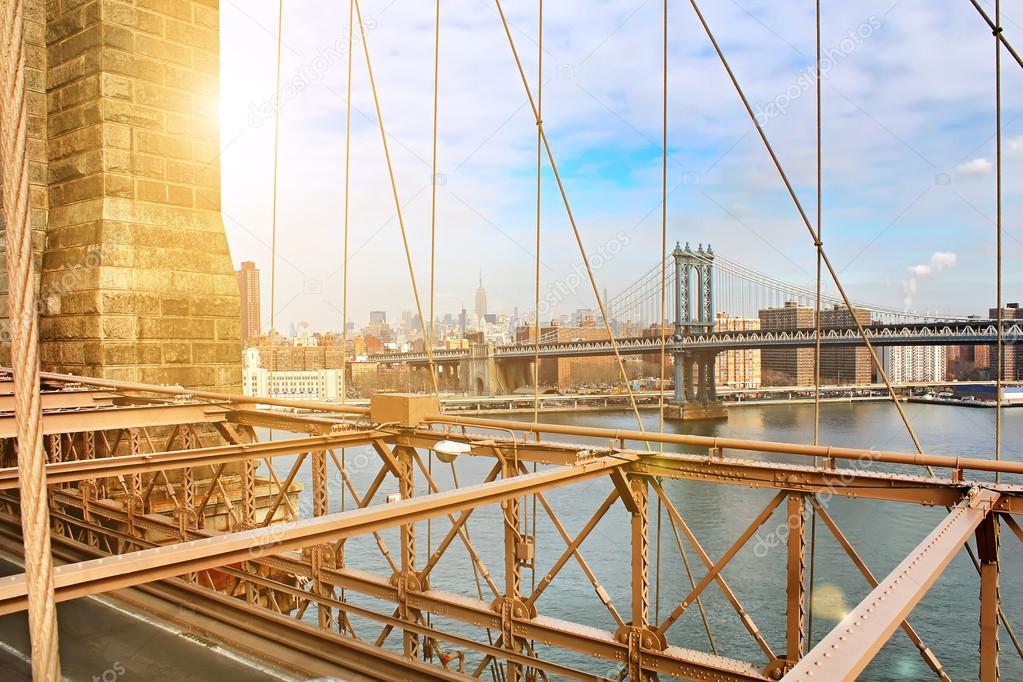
x=378, y=316
x=481, y=300
x=248, y=287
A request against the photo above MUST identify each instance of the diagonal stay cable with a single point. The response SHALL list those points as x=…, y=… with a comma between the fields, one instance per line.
x=813, y=235
x=835, y=278
x=571, y=218
x=999, y=34
x=397, y=201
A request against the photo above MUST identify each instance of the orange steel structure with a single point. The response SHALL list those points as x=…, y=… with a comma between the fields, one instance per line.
x=130, y=510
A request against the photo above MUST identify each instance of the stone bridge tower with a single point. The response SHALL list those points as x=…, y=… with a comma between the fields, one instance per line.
x=134, y=274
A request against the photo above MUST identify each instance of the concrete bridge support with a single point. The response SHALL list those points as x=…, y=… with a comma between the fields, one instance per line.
x=482, y=374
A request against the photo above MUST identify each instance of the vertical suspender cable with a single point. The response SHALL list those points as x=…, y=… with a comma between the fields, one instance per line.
x=344, y=274
x=817, y=319
x=536, y=310
x=998, y=231
x=664, y=283
x=818, y=243
x=433, y=183
x=35, y=516
x=664, y=221
x=539, y=188
x=347, y=211
x=273, y=229
x=433, y=236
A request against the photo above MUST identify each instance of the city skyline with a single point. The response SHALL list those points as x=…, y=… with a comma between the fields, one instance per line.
x=461, y=319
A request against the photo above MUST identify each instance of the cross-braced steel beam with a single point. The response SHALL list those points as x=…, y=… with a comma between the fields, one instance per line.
x=853, y=643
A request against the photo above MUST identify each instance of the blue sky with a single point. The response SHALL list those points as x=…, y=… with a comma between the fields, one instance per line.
x=909, y=126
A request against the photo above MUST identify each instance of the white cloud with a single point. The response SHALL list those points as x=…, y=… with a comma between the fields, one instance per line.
x=1014, y=145
x=978, y=166
x=940, y=260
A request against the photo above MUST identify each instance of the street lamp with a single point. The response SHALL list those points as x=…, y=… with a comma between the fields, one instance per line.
x=449, y=450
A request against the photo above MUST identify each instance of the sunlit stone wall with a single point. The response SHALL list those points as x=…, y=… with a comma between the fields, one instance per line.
x=136, y=279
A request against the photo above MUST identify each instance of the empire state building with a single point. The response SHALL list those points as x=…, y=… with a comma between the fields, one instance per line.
x=481, y=302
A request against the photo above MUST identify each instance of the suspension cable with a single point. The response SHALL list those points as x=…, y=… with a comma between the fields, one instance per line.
x=571, y=218
x=817, y=317
x=995, y=26
x=273, y=228
x=539, y=189
x=24, y=330
x=397, y=200
x=998, y=232
x=664, y=234
x=433, y=183
x=347, y=212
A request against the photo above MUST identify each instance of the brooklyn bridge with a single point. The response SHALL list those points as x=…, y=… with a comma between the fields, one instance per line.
x=398, y=541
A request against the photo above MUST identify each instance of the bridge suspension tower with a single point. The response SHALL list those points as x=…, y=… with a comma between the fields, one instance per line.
x=694, y=312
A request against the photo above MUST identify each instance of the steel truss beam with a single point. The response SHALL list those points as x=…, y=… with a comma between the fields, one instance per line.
x=345, y=652
x=591, y=641
x=64, y=400
x=125, y=570
x=925, y=651
x=122, y=417
x=864, y=456
x=77, y=470
x=855, y=483
x=853, y=643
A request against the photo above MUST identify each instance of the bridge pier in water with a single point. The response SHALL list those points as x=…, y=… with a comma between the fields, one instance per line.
x=700, y=401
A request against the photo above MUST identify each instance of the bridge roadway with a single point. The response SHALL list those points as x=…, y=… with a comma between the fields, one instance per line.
x=102, y=642
x=974, y=332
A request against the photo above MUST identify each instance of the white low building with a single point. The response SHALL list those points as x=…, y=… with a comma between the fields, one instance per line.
x=322, y=384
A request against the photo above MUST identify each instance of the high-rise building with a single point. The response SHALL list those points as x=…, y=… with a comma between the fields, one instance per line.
x=1012, y=368
x=787, y=366
x=481, y=301
x=737, y=368
x=248, y=287
x=905, y=364
x=845, y=365
x=795, y=366
x=378, y=316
